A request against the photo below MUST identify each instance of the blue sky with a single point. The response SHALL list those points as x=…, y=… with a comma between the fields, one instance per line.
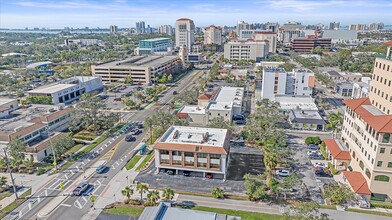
x=124, y=13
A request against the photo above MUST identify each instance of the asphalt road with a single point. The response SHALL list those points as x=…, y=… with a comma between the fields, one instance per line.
x=76, y=207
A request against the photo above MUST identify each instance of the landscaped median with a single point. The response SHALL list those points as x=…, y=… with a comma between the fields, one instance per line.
x=133, y=162
x=4, y=211
x=146, y=159
x=243, y=214
x=125, y=210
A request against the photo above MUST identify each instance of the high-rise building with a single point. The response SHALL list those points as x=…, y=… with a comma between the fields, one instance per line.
x=367, y=131
x=289, y=31
x=276, y=81
x=213, y=35
x=305, y=45
x=334, y=25
x=166, y=29
x=140, y=27
x=357, y=27
x=150, y=46
x=242, y=25
x=246, y=50
x=185, y=33
x=273, y=27
x=271, y=37
x=113, y=29
x=376, y=26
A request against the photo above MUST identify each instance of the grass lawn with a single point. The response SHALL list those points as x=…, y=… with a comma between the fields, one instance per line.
x=125, y=210
x=13, y=205
x=143, y=164
x=74, y=149
x=370, y=212
x=243, y=214
x=133, y=162
x=5, y=194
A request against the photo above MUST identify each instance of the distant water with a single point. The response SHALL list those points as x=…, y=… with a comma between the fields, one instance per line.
x=53, y=32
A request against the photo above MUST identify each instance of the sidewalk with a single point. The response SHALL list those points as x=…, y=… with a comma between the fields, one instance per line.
x=8, y=200
x=112, y=192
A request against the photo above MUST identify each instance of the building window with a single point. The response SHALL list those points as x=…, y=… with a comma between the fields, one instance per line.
x=389, y=164
x=385, y=138
x=382, y=178
x=361, y=164
x=164, y=161
x=215, y=156
x=201, y=155
x=382, y=150
x=379, y=163
x=367, y=172
x=164, y=152
x=201, y=164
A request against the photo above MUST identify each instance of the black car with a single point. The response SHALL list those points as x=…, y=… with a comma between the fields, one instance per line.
x=129, y=138
x=187, y=173
x=80, y=189
x=139, y=125
x=175, y=93
x=322, y=173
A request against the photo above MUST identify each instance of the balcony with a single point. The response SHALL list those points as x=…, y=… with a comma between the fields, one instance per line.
x=202, y=160
x=177, y=158
x=215, y=161
x=164, y=156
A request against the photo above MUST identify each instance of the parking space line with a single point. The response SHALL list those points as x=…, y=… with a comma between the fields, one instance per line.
x=66, y=205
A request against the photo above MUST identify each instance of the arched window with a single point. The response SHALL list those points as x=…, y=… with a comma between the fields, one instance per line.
x=361, y=164
x=385, y=138
x=382, y=178
x=367, y=172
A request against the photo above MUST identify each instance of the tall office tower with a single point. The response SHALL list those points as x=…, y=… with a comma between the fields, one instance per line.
x=376, y=26
x=140, y=27
x=367, y=131
x=166, y=29
x=213, y=35
x=242, y=25
x=113, y=29
x=185, y=33
x=334, y=25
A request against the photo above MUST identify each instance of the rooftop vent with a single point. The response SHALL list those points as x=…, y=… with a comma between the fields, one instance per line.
x=205, y=137
x=176, y=134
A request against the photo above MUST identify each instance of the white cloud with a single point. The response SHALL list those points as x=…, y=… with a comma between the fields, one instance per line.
x=303, y=5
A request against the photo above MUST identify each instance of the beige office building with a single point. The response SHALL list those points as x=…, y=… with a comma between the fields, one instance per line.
x=271, y=37
x=367, y=130
x=185, y=33
x=213, y=35
x=142, y=69
x=246, y=50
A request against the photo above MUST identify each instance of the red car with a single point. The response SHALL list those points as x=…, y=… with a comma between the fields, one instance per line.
x=209, y=175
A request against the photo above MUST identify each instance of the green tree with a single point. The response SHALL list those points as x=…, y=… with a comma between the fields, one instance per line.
x=128, y=80
x=218, y=193
x=16, y=149
x=62, y=143
x=271, y=158
x=153, y=197
x=46, y=100
x=335, y=121
x=168, y=194
x=220, y=122
x=170, y=78
x=3, y=182
x=255, y=187
x=338, y=194
x=127, y=192
x=305, y=211
x=128, y=102
x=141, y=188
x=163, y=79
x=288, y=183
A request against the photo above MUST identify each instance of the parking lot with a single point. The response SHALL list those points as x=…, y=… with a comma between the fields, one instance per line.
x=305, y=167
x=187, y=183
x=114, y=97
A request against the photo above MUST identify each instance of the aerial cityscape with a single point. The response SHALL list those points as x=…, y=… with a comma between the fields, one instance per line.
x=195, y=110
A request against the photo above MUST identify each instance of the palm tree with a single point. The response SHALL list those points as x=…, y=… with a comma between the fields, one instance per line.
x=153, y=197
x=218, y=193
x=141, y=188
x=168, y=194
x=127, y=192
x=335, y=121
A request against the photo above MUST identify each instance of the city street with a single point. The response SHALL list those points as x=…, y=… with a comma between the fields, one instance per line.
x=74, y=175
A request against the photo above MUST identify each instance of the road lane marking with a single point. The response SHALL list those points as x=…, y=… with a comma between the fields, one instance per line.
x=66, y=205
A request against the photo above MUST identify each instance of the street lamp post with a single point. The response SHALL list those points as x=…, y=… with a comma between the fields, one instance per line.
x=53, y=151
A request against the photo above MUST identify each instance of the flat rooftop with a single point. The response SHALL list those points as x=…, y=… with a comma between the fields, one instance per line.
x=193, y=109
x=140, y=61
x=289, y=102
x=5, y=100
x=195, y=135
x=274, y=70
x=220, y=105
x=156, y=39
x=306, y=117
x=52, y=88
x=227, y=95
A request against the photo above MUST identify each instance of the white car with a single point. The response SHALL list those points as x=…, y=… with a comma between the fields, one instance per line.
x=283, y=173
x=319, y=164
x=314, y=152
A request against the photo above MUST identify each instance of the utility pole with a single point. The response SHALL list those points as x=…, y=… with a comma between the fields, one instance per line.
x=9, y=170
x=51, y=145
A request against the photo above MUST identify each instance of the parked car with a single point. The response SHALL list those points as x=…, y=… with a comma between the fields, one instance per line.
x=283, y=173
x=315, y=156
x=319, y=164
x=313, y=147
x=175, y=93
x=139, y=125
x=322, y=173
x=101, y=169
x=187, y=173
x=129, y=138
x=117, y=99
x=314, y=152
x=209, y=176
x=80, y=188
x=169, y=172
